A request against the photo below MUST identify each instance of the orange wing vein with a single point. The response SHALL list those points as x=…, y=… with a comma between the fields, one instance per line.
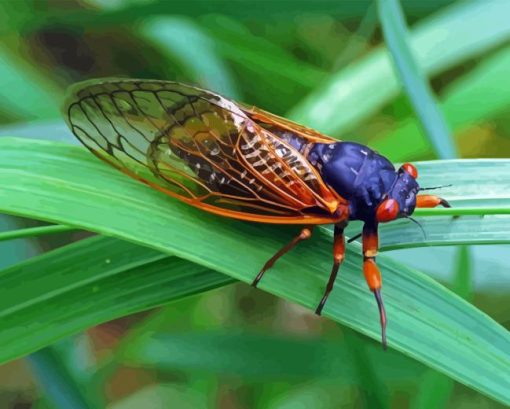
x=203, y=149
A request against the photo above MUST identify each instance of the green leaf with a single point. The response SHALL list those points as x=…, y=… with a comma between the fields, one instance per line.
x=86, y=283
x=443, y=231
x=436, y=389
x=415, y=84
x=67, y=185
x=365, y=86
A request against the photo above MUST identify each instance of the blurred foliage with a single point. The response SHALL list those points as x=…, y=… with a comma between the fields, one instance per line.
x=322, y=62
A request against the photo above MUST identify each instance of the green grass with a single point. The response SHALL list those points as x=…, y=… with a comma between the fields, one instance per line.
x=86, y=283
x=326, y=64
x=67, y=185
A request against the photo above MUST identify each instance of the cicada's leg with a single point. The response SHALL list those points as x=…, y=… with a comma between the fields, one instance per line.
x=372, y=273
x=306, y=233
x=338, y=257
x=430, y=201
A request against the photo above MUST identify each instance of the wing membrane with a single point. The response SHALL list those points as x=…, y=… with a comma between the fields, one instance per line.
x=199, y=147
x=271, y=121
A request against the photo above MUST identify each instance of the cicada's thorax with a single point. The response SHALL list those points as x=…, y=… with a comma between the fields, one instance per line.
x=363, y=177
x=357, y=173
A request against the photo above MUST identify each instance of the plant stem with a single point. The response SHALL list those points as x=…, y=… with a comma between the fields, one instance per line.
x=35, y=231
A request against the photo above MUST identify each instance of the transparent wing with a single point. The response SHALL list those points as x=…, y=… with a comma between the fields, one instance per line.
x=274, y=122
x=199, y=147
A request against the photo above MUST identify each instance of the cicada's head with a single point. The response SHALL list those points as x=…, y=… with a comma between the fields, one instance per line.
x=400, y=200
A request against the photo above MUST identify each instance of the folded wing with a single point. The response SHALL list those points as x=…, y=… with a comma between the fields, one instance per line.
x=200, y=148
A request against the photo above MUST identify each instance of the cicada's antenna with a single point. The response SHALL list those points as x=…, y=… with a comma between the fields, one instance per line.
x=419, y=224
x=433, y=187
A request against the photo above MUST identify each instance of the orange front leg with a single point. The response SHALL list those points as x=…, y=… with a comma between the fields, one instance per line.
x=430, y=201
x=372, y=273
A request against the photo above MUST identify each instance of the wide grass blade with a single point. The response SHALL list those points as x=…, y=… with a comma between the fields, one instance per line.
x=435, y=389
x=81, y=285
x=67, y=185
x=444, y=231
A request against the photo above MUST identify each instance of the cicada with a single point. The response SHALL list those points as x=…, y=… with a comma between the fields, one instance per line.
x=238, y=161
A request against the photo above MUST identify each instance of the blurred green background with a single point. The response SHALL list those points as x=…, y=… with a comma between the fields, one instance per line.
x=321, y=63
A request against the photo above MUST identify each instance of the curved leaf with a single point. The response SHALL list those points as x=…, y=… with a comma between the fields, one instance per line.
x=67, y=185
x=83, y=284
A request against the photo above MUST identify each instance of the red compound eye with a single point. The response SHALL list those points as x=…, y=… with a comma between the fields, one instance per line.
x=409, y=168
x=387, y=211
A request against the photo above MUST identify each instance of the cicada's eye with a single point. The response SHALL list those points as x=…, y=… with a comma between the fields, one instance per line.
x=410, y=169
x=387, y=211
